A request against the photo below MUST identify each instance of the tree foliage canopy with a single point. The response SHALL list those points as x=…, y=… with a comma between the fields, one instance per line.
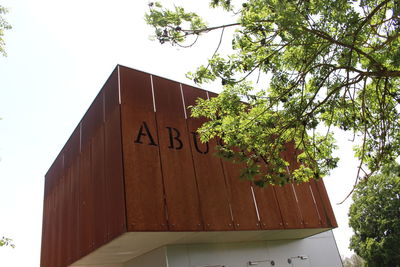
x=331, y=64
x=353, y=261
x=3, y=26
x=374, y=217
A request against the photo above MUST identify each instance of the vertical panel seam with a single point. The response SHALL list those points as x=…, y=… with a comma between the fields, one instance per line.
x=105, y=180
x=293, y=190
x=318, y=199
x=194, y=166
x=228, y=190
x=183, y=102
x=329, y=222
x=255, y=204
x=159, y=155
x=277, y=202
x=92, y=213
x=152, y=93
x=227, y=185
x=77, y=192
x=279, y=208
x=124, y=227
x=315, y=203
x=119, y=85
x=80, y=137
x=297, y=204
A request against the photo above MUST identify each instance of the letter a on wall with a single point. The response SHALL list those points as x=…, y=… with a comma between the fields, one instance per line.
x=144, y=131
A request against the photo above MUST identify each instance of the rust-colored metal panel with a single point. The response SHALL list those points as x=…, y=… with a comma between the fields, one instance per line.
x=71, y=148
x=215, y=207
x=54, y=174
x=307, y=206
x=268, y=208
x=86, y=214
x=92, y=120
x=71, y=176
x=286, y=196
x=328, y=211
x=78, y=188
x=55, y=177
x=289, y=207
x=48, y=232
x=50, y=213
x=61, y=216
x=308, y=209
x=67, y=231
x=74, y=195
x=51, y=246
x=45, y=233
x=66, y=228
x=98, y=188
x=45, y=250
x=67, y=219
x=141, y=156
x=320, y=205
x=92, y=186
x=71, y=153
x=47, y=216
x=241, y=198
x=113, y=166
x=244, y=211
x=111, y=94
x=177, y=164
x=55, y=227
x=114, y=176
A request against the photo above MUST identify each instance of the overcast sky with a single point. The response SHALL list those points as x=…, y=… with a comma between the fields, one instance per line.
x=59, y=55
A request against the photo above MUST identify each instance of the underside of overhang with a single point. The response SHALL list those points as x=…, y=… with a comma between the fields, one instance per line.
x=134, y=244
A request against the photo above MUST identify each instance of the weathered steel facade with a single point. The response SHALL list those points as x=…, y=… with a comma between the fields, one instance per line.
x=134, y=163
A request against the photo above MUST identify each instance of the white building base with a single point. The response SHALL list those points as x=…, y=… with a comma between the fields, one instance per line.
x=316, y=251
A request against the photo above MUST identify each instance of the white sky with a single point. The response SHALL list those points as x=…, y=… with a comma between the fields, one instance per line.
x=59, y=55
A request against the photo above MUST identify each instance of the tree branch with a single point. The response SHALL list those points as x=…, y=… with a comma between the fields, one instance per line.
x=370, y=15
x=327, y=37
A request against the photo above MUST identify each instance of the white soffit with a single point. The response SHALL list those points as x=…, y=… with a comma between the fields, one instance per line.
x=134, y=244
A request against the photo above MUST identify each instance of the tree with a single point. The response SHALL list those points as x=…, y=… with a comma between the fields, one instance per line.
x=374, y=217
x=4, y=241
x=3, y=26
x=353, y=261
x=331, y=64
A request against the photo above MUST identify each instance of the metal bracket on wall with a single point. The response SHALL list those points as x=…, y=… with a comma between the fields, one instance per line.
x=301, y=257
x=253, y=263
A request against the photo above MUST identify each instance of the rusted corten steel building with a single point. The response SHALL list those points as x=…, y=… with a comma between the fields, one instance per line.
x=134, y=178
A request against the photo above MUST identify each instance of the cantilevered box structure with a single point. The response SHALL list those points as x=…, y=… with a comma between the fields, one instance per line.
x=134, y=186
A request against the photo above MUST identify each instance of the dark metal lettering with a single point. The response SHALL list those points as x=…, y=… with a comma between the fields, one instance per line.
x=144, y=131
x=175, y=137
x=196, y=145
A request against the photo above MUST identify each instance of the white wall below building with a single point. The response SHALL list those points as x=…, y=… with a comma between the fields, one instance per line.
x=316, y=251
x=154, y=258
